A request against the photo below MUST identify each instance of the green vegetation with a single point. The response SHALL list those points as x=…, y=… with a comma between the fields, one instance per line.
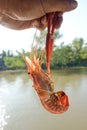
x=71, y=55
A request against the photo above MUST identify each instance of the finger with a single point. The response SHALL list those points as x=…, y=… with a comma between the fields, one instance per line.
x=28, y=10
x=58, y=22
x=14, y=24
x=59, y=5
x=21, y=9
x=40, y=23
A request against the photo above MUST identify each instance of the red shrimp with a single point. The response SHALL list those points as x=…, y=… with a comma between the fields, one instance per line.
x=54, y=102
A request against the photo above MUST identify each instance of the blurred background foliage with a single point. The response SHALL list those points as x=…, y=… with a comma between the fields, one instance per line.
x=64, y=55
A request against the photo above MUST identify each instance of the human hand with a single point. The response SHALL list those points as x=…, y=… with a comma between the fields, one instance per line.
x=22, y=14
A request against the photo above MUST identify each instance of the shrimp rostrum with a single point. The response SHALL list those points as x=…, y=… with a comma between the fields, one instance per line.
x=54, y=102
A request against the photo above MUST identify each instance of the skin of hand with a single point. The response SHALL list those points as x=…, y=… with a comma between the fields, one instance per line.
x=23, y=14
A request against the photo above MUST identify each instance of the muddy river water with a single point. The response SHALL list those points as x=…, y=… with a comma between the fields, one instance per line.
x=20, y=108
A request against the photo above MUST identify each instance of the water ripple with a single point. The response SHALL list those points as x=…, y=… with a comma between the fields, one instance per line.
x=3, y=116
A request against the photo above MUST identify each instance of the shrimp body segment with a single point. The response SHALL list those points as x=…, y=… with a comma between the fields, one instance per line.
x=54, y=102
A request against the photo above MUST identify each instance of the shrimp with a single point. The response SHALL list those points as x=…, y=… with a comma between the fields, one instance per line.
x=54, y=102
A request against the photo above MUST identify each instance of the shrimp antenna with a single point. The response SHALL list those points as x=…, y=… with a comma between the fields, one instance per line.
x=33, y=48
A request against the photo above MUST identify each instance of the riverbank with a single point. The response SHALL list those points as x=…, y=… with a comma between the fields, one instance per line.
x=18, y=71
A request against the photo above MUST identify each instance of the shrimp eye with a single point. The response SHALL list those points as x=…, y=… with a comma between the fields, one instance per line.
x=62, y=94
x=28, y=73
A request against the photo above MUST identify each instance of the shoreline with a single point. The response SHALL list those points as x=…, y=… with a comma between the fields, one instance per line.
x=25, y=70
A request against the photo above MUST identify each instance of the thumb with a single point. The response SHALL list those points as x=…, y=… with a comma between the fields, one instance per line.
x=58, y=5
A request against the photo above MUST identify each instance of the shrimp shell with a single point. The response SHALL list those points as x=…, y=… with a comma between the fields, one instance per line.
x=54, y=102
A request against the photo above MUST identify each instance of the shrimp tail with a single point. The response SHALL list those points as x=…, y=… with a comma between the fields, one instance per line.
x=49, y=46
x=49, y=39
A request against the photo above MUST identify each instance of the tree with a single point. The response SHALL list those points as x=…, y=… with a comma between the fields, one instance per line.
x=41, y=37
x=14, y=62
x=77, y=44
x=9, y=53
x=77, y=47
x=3, y=54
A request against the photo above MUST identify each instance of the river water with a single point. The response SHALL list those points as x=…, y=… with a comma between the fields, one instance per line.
x=20, y=108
